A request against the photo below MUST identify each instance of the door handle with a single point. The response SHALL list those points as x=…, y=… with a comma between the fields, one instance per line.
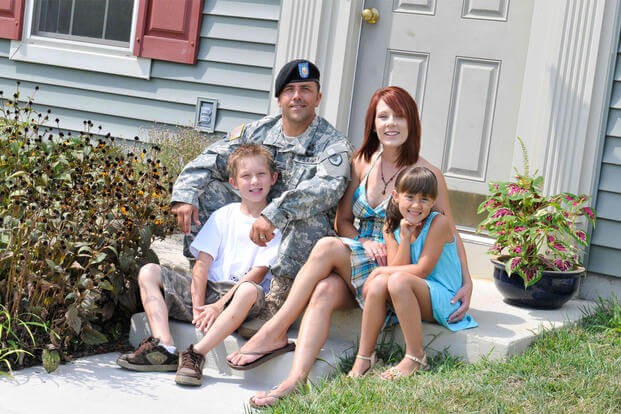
x=370, y=16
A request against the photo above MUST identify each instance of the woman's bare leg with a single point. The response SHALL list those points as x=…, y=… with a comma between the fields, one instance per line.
x=412, y=304
x=375, y=292
x=328, y=256
x=330, y=294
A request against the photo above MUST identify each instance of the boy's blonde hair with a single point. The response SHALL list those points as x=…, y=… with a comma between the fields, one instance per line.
x=245, y=151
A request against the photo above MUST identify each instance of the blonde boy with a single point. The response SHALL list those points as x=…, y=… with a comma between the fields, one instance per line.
x=229, y=279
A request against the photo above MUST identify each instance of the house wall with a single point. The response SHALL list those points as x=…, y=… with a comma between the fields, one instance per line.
x=235, y=64
x=604, y=264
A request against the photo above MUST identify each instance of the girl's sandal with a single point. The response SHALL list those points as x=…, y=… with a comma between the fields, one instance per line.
x=395, y=373
x=372, y=359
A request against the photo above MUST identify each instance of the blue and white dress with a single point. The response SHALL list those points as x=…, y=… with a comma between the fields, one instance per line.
x=371, y=224
x=444, y=280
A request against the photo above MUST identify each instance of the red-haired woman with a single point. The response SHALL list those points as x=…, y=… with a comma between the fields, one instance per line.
x=334, y=275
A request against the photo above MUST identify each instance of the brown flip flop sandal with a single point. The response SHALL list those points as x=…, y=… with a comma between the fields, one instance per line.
x=266, y=356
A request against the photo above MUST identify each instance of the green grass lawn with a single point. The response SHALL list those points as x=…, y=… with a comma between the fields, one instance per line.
x=574, y=369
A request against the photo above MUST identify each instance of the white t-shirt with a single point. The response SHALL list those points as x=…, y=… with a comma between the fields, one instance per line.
x=226, y=238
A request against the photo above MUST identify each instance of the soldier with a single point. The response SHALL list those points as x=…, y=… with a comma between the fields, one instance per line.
x=312, y=160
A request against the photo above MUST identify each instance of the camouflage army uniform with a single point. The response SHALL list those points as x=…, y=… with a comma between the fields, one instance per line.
x=313, y=171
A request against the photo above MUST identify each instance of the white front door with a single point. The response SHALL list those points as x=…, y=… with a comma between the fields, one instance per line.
x=463, y=62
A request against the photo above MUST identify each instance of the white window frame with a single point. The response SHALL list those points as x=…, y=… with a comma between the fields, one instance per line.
x=79, y=55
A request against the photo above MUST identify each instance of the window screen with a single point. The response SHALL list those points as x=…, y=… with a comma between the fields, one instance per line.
x=95, y=21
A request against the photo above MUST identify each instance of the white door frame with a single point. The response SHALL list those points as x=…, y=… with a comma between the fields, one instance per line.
x=325, y=32
x=563, y=95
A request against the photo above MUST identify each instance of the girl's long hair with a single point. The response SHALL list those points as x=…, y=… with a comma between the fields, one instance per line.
x=412, y=180
x=404, y=106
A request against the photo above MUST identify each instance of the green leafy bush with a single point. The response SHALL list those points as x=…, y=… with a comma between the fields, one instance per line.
x=78, y=216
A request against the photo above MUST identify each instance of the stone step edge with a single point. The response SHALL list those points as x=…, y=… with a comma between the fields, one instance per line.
x=274, y=370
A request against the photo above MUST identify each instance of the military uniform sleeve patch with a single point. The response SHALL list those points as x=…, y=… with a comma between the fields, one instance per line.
x=237, y=132
x=336, y=159
x=334, y=166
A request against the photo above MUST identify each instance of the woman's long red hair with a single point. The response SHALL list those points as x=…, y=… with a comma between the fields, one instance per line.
x=400, y=101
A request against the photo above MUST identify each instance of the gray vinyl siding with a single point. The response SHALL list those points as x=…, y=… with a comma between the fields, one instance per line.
x=4, y=48
x=605, y=252
x=235, y=66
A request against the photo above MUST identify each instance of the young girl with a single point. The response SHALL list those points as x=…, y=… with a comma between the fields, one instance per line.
x=422, y=276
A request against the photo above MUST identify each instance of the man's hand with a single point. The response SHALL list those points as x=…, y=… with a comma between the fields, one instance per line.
x=205, y=316
x=262, y=231
x=185, y=213
x=464, y=294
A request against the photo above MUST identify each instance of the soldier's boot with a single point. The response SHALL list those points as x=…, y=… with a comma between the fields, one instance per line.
x=279, y=290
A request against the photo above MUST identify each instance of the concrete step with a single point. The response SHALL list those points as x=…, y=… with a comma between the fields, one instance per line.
x=267, y=374
x=504, y=330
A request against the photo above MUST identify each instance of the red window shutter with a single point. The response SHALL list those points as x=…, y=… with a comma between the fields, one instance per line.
x=168, y=29
x=11, y=19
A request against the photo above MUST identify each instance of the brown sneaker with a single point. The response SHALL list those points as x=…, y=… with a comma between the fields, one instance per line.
x=190, y=370
x=149, y=356
x=279, y=289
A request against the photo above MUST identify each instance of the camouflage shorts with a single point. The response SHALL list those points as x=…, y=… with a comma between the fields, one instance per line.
x=178, y=297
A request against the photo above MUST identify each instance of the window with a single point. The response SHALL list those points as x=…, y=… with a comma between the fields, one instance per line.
x=80, y=34
x=97, y=21
x=112, y=36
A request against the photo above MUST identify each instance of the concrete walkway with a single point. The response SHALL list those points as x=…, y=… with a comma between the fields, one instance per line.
x=96, y=385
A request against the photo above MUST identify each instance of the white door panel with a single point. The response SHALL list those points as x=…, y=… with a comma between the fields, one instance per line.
x=469, y=125
x=408, y=70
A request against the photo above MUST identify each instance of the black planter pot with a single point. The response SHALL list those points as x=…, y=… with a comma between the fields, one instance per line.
x=550, y=292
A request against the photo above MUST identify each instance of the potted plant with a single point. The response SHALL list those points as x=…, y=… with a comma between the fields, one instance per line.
x=539, y=240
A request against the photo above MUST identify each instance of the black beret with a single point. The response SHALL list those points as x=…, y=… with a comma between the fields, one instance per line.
x=299, y=70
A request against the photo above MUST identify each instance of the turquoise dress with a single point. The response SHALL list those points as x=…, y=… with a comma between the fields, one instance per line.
x=444, y=280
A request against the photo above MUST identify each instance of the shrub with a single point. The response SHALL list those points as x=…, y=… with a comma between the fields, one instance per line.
x=179, y=145
x=78, y=216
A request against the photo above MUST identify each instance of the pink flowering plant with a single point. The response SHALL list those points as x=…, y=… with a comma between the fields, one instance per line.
x=536, y=233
